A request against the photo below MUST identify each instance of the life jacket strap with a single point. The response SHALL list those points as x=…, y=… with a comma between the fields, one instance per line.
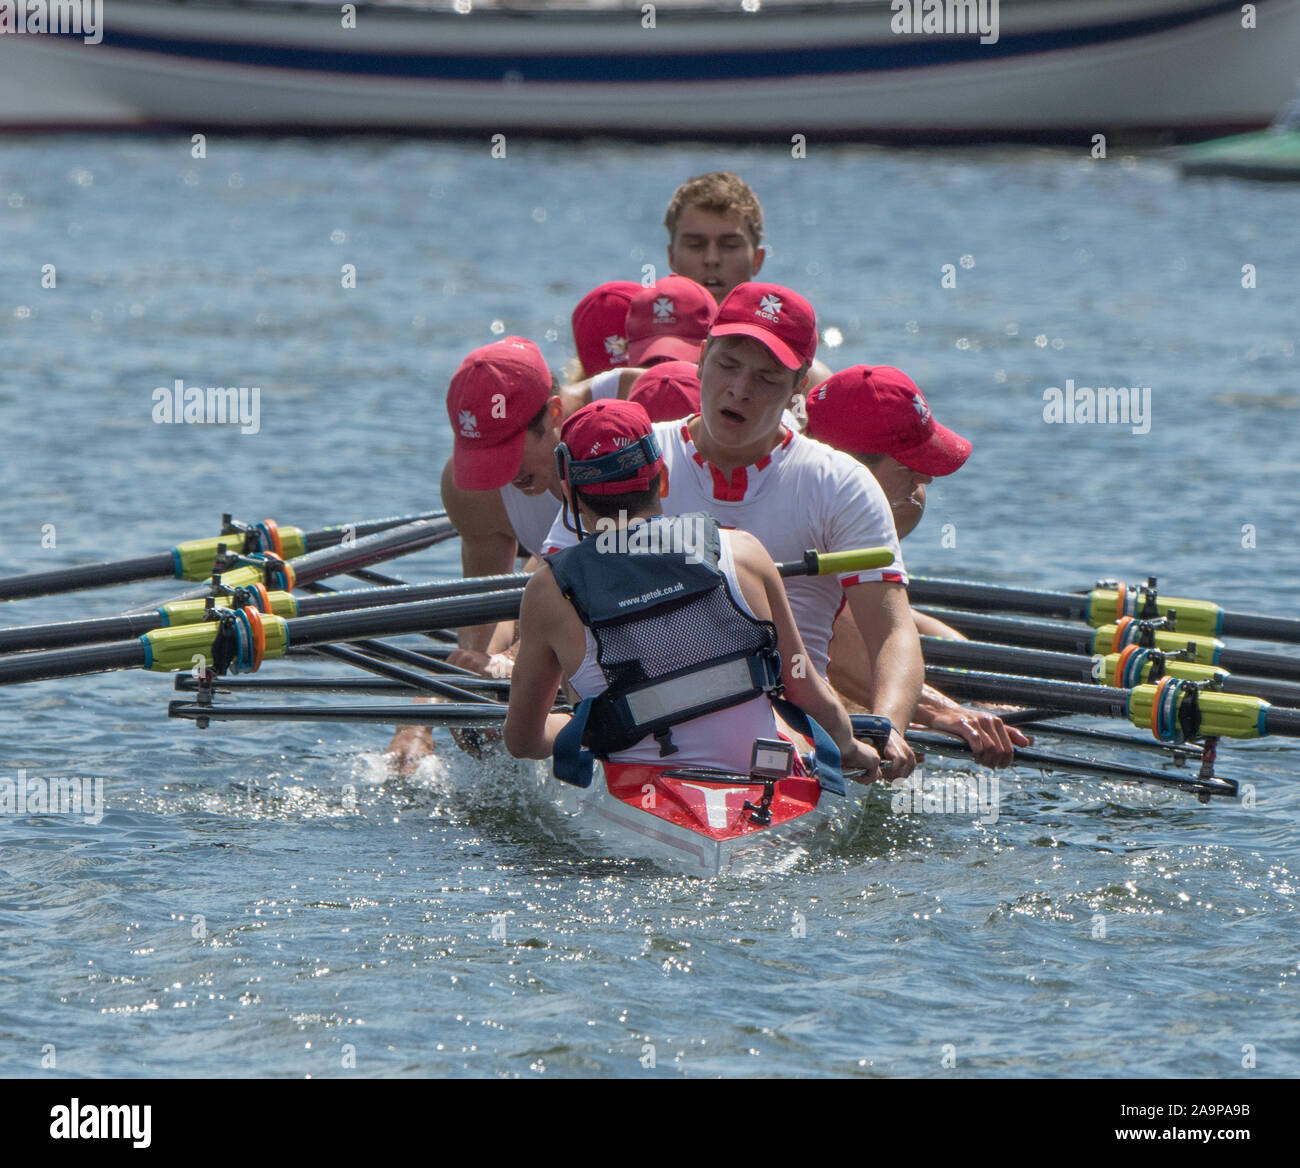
x=571, y=762
x=827, y=768
x=654, y=709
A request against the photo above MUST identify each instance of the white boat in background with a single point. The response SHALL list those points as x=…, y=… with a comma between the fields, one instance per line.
x=744, y=69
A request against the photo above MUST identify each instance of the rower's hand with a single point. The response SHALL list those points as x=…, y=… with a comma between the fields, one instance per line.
x=861, y=756
x=496, y=665
x=409, y=745
x=992, y=742
x=469, y=659
x=476, y=743
x=899, y=760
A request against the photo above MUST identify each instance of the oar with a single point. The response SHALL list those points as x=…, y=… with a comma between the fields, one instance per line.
x=193, y=559
x=1172, y=708
x=424, y=682
x=183, y=612
x=1068, y=638
x=497, y=687
x=1103, y=671
x=1105, y=605
x=242, y=638
x=233, y=641
x=1200, y=786
x=463, y=715
x=282, y=575
x=478, y=715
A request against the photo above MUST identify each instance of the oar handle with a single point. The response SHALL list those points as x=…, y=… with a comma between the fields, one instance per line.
x=873, y=728
x=816, y=563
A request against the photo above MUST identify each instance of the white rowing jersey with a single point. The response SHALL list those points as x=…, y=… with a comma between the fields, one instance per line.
x=803, y=494
x=606, y=384
x=722, y=739
x=531, y=516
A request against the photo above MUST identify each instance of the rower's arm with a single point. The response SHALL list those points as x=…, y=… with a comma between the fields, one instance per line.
x=804, y=686
x=893, y=654
x=530, y=727
x=487, y=544
x=578, y=394
x=818, y=372
x=932, y=626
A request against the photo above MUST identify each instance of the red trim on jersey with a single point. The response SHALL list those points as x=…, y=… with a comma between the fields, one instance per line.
x=729, y=492
x=735, y=489
x=885, y=578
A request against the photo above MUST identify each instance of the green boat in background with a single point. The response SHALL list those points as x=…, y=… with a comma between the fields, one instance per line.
x=1271, y=155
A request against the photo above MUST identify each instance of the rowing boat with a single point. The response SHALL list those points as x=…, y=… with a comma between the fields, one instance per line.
x=697, y=821
x=704, y=821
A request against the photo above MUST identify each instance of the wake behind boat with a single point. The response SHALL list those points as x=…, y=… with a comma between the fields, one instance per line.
x=856, y=70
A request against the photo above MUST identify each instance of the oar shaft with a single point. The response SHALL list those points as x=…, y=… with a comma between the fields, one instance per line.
x=398, y=619
x=1102, y=701
x=82, y=632
x=1216, y=713
x=1261, y=628
x=86, y=576
x=1071, y=667
x=332, y=536
x=944, y=746
x=374, y=686
x=1067, y=638
x=355, y=598
x=983, y=655
x=423, y=682
x=467, y=714
x=1032, y=601
x=71, y=662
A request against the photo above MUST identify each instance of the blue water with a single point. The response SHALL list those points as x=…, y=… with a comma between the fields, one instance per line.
x=348, y=916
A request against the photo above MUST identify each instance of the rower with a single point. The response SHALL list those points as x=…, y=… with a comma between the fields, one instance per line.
x=499, y=488
x=715, y=236
x=879, y=416
x=691, y=679
x=668, y=391
x=599, y=332
x=666, y=321
x=738, y=462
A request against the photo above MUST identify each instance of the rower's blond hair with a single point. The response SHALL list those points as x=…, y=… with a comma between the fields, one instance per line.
x=722, y=193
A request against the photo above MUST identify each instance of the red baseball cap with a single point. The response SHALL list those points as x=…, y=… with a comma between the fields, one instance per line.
x=495, y=393
x=612, y=446
x=879, y=410
x=599, y=326
x=782, y=320
x=669, y=391
x=668, y=321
